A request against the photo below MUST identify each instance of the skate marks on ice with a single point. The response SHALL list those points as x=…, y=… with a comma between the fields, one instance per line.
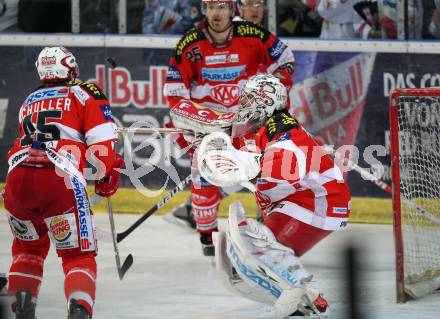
x=171, y=279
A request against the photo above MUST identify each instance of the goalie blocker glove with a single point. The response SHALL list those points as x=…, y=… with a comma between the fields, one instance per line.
x=197, y=120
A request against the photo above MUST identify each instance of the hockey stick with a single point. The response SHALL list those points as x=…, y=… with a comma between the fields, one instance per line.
x=151, y=130
x=380, y=183
x=152, y=210
x=129, y=260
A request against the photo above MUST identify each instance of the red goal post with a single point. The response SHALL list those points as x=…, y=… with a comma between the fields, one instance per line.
x=415, y=166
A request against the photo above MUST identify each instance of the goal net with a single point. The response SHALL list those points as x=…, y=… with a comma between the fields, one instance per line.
x=415, y=165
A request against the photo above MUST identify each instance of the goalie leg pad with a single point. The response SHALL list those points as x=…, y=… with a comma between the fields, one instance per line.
x=266, y=265
x=228, y=275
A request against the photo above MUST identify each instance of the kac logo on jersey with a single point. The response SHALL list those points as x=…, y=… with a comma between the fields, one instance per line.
x=107, y=112
x=222, y=74
x=225, y=94
x=277, y=49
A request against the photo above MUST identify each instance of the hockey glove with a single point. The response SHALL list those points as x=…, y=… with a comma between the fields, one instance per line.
x=223, y=165
x=284, y=73
x=109, y=184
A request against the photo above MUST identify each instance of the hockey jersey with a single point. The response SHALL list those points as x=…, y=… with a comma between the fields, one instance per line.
x=67, y=118
x=213, y=75
x=297, y=177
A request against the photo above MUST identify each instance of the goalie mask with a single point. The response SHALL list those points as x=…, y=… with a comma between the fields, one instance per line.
x=56, y=64
x=261, y=96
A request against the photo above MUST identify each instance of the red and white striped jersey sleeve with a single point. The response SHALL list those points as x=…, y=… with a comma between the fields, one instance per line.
x=97, y=121
x=295, y=170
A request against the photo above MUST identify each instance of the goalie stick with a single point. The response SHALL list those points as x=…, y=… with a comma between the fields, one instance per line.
x=152, y=210
x=129, y=260
x=151, y=130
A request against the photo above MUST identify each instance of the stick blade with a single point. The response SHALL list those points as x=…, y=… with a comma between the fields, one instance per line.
x=125, y=266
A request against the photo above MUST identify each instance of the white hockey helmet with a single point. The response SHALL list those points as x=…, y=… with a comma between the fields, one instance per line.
x=56, y=64
x=262, y=95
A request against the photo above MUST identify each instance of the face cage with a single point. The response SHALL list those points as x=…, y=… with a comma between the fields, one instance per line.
x=241, y=128
x=247, y=119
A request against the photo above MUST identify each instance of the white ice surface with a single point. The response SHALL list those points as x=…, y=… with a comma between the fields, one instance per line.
x=171, y=279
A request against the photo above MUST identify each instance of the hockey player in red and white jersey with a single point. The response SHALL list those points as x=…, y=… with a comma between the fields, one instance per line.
x=210, y=65
x=60, y=125
x=300, y=190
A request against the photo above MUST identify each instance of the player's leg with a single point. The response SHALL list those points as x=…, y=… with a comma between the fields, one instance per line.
x=3, y=284
x=183, y=213
x=205, y=200
x=71, y=231
x=299, y=236
x=31, y=243
x=291, y=232
x=80, y=284
x=270, y=268
x=26, y=274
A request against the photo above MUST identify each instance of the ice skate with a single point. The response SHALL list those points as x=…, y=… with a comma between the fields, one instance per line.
x=3, y=284
x=319, y=310
x=25, y=308
x=182, y=215
x=207, y=244
x=76, y=311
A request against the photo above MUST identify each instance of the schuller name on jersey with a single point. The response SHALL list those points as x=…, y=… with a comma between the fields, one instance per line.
x=46, y=100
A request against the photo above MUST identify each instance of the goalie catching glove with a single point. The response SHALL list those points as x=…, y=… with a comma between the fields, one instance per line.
x=197, y=120
x=222, y=165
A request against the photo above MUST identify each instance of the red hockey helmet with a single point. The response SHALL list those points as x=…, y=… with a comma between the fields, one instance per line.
x=56, y=64
x=251, y=3
x=230, y=2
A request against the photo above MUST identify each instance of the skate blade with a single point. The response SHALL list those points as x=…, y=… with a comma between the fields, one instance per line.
x=170, y=218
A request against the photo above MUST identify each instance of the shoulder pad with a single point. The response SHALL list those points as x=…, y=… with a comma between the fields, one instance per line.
x=192, y=35
x=93, y=90
x=279, y=123
x=249, y=29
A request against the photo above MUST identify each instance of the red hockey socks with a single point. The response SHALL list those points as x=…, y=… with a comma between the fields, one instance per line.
x=80, y=280
x=26, y=272
x=205, y=203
